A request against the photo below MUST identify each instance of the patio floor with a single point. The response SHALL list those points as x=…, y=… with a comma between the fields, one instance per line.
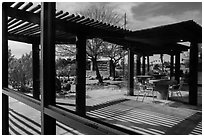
x=163, y=117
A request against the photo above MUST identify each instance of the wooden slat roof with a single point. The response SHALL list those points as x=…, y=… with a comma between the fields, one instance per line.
x=24, y=26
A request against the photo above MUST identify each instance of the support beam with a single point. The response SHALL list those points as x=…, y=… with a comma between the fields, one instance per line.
x=138, y=65
x=143, y=65
x=81, y=75
x=48, y=124
x=177, y=67
x=148, y=67
x=193, y=71
x=171, y=66
x=36, y=71
x=5, y=100
x=130, y=72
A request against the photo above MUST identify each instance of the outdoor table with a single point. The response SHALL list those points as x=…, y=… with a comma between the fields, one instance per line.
x=158, y=76
x=144, y=78
x=161, y=85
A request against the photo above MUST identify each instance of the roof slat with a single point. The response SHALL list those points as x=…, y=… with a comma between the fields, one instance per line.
x=18, y=5
x=23, y=27
x=29, y=30
x=58, y=13
x=33, y=32
x=81, y=18
x=63, y=15
x=92, y=23
x=98, y=24
x=69, y=17
x=75, y=17
x=87, y=22
x=82, y=21
x=35, y=8
x=27, y=6
x=12, y=21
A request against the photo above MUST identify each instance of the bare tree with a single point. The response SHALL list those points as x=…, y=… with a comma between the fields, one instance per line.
x=115, y=53
x=94, y=50
x=95, y=46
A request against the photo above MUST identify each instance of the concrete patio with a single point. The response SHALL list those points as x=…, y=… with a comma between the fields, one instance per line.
x=161, y=117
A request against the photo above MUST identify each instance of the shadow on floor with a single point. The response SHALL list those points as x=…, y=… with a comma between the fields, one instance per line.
x=106, y=104
x=23, y=125
x=151, y=121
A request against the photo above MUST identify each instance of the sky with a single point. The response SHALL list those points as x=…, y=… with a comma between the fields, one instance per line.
x=140, y=15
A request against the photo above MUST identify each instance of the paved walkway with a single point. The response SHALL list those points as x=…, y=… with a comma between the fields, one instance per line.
x=112, y=106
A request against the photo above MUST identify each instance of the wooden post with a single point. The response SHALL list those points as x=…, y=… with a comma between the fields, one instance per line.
x=5, y=100
x=171, y=66
x=138, y=65
x=147, y=63
x=143, y=65
x=81, y=75
x=36, y=71
x=193, y=74
x=177, y=67
x=48, y=124
x=130, y=72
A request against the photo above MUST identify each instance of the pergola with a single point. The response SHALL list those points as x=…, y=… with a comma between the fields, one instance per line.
x=43, y=27
x=165, y=40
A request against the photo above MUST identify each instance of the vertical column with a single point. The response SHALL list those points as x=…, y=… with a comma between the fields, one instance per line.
x=193, y=71
x=138, y=65
x=171, y=65
x=177, y=67
x=147, y=63
x=130, y=72
x=143, y=65
x=5, y=101
x=81, y=75
x=48, y=124
x=36, y=71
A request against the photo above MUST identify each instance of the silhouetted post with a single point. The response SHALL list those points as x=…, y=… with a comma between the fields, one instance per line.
x=193, y=74
x=138, y=65
x=171, y=66
x=147, y=63
x=5, y=100
x=81, y=75
x=143, y=65
x=130, y=72
x=48, y=124
x=36, y=71
x=177, y=67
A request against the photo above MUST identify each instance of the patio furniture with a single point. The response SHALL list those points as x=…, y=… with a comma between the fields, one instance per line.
x=175, y=89
x=143, y=78
x=162, y=87
x=145, y=89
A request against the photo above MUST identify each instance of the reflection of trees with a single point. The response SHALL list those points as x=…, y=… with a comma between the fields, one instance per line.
x=20, y=70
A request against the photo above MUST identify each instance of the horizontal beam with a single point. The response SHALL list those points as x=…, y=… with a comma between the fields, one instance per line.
x=70, y=119
x=36, y=40
x=25, y=39
x=84, y=125
x=23, y=98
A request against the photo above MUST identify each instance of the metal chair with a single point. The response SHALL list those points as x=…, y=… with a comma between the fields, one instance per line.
x=175, y=89
x=145, y=89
